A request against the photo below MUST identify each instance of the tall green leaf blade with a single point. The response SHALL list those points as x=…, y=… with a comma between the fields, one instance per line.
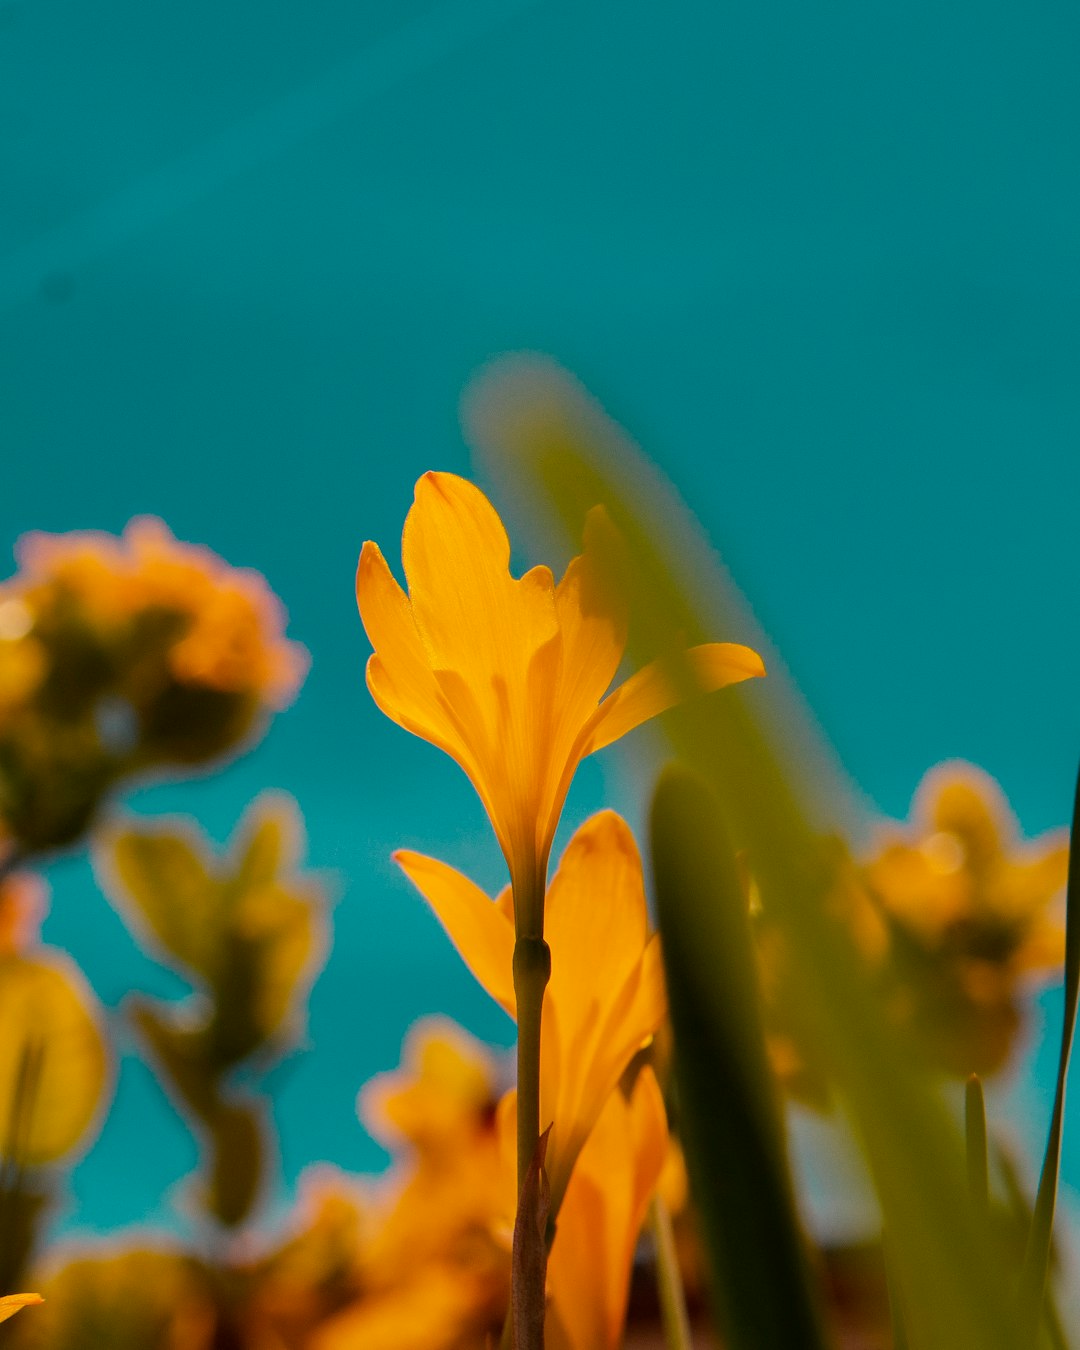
x=729, y=1118
x=539, y=427
x=1037, y=1257
x=975, y=1135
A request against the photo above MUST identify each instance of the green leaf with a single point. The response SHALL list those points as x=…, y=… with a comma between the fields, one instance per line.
x=729, y=1117
x=160, y=881
x=1037, y=1258
x=177, y=1050
x=267, y=841
x=975, y=1135
x=779, y=794
x=237, y=1161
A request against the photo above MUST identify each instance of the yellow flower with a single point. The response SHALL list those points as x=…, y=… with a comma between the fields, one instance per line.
x=433, y=1270
x=973, y=910
x=606, y=996
x=227, y=625
x=442, y=1094
x=439, y=1204
x=508, y=675
x=601, y=1218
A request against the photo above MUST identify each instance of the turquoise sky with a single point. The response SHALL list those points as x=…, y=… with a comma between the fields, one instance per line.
x=820, y=260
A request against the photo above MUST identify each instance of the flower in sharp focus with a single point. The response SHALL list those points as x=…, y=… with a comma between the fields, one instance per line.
x=508, y=675
x=606, y=997
x=973, y=912
x=601, y=1220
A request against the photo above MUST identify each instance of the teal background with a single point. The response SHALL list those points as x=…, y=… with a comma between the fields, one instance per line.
x=821, y=260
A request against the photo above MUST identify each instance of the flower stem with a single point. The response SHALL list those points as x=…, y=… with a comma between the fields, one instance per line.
x=668, y=1279
x=532, y=970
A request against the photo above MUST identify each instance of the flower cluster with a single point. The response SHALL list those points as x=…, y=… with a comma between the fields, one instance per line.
x=975, y=916
x=956, y=919
x=120, y=655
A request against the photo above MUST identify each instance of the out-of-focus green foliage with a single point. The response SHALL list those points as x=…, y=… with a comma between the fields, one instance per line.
x=729, y=1114
x=1037, y=1260
x=51, y=1021
x=554, y=444
x=249, y=932
x=124, y=1300
x=55, y=1070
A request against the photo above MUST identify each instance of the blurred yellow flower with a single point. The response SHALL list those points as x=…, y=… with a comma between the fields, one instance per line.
x=433, y=1270
x=225, y=624
x=973, y=914
x=439, y=1113
x=118, y=655
x=606, y=997
x=443, y=1092
x=508, y=675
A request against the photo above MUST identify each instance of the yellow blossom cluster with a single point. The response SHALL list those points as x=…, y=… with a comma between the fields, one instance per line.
x=118, y=655
x=513, y=1208
x=956, y=917
x=975, y=913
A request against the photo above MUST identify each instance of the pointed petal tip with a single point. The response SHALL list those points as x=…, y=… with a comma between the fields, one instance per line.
x=743, y=663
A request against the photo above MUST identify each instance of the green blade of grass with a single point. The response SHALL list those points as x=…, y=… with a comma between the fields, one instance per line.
x=538, y=426
x=1037, y=1257
x=975, y=1137
x=729, y=1119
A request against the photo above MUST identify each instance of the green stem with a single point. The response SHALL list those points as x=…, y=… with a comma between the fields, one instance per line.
x=975, y=1132
x=669, y=1279
x=532, y=970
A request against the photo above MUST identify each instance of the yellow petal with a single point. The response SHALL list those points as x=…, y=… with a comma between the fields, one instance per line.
x=399, y=674
x=446, y=1083
x=473, y=616
x=593, y=641
x=10, y=1304
x=606, y=996
x=601, y=1218
x=596, y=918
x=479, y=929
x=652, y=690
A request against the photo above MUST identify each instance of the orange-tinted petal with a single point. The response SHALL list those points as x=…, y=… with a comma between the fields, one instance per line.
x=473, y=616
x=10, y=1304
x=399, y=674
x=606, y=996
x=652, y=691
x=601, y=1218
x=593, y=641
x=481, y=930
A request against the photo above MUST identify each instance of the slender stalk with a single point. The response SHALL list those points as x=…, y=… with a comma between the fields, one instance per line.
x=1033, y=1277
x=673, y=1312
x=975, y=1132
x=532, y=970
x=892, y=1286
